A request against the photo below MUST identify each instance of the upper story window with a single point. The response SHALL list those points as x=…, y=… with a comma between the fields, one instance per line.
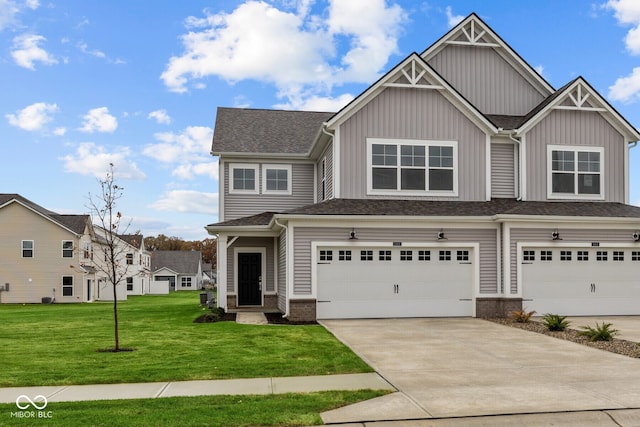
x=129, y=259
x=575, y=172
x=87, y=251
x=276, y=179
x=27, y=249
x=244, y=178
x=67, y=249
x=412, y=167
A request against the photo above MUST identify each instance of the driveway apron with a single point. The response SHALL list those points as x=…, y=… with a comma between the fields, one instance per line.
x=469, y=367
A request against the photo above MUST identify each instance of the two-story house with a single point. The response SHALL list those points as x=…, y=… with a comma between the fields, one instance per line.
x=43, y=254
x=461, y=183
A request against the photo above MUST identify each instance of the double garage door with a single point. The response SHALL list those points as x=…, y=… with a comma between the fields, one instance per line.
x=581, y=281
x=380, y=282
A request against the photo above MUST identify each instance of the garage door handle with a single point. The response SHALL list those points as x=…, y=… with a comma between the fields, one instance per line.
x=324, y=301
x=465, y=299
x=465, y=262
x=527, y=263
x=324, y=263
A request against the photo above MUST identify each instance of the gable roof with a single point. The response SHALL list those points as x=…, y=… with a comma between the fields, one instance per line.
x=473, y=31
x=425, y=78
x=135, y=240
x=73, y=223
x=254, y=131
x=182, y=262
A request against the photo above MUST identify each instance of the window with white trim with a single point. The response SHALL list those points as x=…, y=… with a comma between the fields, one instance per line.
x=129, y=283
x=67, y=249
x=565, y=255
x=243, y=178
x=546, y=256
x=129, y=259
x=276, y=179
x=601, y=255
x=326, y=255
x=411, y=167
x=462, y=255
x=528, y=255
x=575, y=172
x=635, y=256
x=445, y=255
x=344, y=255
x=185, y=282
x=27, y=248
x=67, y=286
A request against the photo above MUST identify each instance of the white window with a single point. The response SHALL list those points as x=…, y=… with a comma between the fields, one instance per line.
x=129, y=259
x=462, y=255
x=27, y=249
x=565, y=255
x=67, y=249
x=601, y=255
x=67, y=286
x=276, y=179
x=87, y=251
x=129, y=283
x=618, y=255
x=411, y=167
x=185, y=282
x=243, y=178
x=575, y=172
x=635, y=256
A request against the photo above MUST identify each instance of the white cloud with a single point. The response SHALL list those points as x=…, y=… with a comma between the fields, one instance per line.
x=193, y=144
x=288, y=48
x=33, y=117
x=84, y=48
x=452, y=19
x=627, y=12
x=316, y=103
x=92, y=159
x=9, y=10
x=60, y=131
x=32, y=4
x=160, y=116
x=627, y=88
x=187, y=201
x=99, y=120
x=190, y=170
x=26, y=51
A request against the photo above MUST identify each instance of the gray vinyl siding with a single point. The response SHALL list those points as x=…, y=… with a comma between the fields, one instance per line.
x=565, y=127
x=484, y=78
x=258, y=243
x=411, y=114
x=305, y=235
x=282, y=271
x=568, y=236
x=328, y=156
x=241, y=205
x=503, y=171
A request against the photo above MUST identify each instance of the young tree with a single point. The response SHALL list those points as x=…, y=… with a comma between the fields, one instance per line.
x=109, y=224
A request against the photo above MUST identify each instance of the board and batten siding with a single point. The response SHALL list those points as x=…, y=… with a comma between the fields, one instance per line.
x=282, y=271
x=257, y=243
x=241, y=205
x=417, y=114
x=486, y=237
x=30, y=279
x=503, y=172
x=569, y=235
x=489, y=82
x=565, y=127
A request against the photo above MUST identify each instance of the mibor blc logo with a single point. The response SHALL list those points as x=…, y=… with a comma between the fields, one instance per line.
x=31, y=408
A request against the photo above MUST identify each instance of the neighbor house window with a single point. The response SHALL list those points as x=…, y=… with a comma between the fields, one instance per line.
x=129, y=283
x=411, y=167
x=576, y=172
x=67, y=249
x=27, y=249
x=67, y=286
x=129, y=259
x=244, y=178
x=185, y=282
x=276, y=179
x=87, y=251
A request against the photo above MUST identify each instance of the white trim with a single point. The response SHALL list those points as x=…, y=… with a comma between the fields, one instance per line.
x=276, y=259
x=575, y=149
x=222, y=270
x=263, y=255
x=487, y=167
x=267, y=166
x=626, y=171
x=506, y=261
x=523, y=167
x=73, y=285
x=499, y=251
x=291, y=261
x=221, y=182
x=255, y=167
x=315, y=245
x=336, y=164
x=33, y=249
x=413, y=142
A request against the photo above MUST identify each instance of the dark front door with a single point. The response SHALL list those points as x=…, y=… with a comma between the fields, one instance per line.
x=249, y=279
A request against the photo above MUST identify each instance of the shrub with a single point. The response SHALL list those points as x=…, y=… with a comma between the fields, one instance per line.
x=555, y=322
x=522, y=316
x=603, y=332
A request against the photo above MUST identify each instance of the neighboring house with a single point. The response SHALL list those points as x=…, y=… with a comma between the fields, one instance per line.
x=182, y=269
x=139, y=261
x=42, y=254
x=461, y=183
x=208, y=273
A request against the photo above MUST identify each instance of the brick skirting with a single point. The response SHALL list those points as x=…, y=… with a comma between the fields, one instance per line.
x=497, y=307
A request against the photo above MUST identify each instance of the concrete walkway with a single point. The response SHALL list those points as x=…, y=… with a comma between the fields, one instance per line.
x=280, y=385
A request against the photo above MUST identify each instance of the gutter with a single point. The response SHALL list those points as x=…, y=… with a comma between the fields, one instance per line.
x=285, y=228
x=518, y=142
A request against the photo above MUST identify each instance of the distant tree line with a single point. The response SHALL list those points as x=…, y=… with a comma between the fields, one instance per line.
x=208, y=247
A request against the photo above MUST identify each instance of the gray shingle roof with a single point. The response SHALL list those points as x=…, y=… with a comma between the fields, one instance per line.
x=182, y=262
x=241, y=130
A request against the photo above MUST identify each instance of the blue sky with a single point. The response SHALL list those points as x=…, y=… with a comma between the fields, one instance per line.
x=137, y=83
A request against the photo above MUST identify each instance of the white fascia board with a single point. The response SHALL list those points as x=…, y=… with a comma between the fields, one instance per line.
x=538, y=221
x=243, y=231
x=361, y=221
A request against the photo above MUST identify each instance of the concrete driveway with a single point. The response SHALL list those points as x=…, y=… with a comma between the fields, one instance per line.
x=470, y=367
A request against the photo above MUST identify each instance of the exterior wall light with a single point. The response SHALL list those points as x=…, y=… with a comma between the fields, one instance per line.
x=441, y=235
x=352, y=235
x=636, y=236
x=555, y=235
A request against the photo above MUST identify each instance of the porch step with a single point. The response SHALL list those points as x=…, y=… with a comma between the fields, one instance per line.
x=249, y=318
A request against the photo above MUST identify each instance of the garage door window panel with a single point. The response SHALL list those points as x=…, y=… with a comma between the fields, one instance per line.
x=384, y=255
x=546, y=256
x=344, y=255
x=602, y=256
x=635, y=256
x=326, y=255
x=424, y=255
x=618, y=255
x=406, y=255
x=583, y=256
x=366, y=255
x=565, y=255
x=445, y=255
x=529, y=256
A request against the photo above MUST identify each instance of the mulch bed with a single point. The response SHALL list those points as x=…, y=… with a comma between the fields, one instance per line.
x=619, y=346
x=211, y=317
x=277, y=319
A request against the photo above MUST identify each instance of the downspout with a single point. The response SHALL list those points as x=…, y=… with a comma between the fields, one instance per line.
x=517, y=141
x=286, y=229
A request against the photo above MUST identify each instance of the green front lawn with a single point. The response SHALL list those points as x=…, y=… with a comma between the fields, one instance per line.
x=56, y=344
x=223, y=411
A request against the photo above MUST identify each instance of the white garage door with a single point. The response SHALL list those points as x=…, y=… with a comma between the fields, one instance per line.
x=581, y=281
x=394, y=282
